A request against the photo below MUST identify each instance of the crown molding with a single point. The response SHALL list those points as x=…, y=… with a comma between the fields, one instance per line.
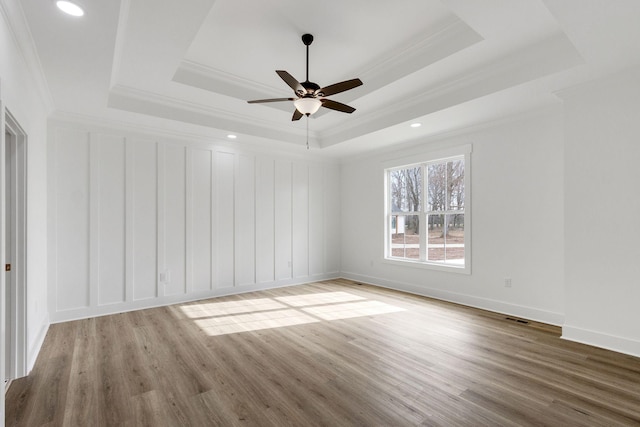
x=193, y=137
x=598, y=82
x=153, y=104
x=542, y=58
x=13, y=14
x=551, y=55
x=121, y=34
x=447, y=38
x=188, y=68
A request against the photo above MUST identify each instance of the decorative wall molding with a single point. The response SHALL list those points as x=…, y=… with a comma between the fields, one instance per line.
x=137, y=222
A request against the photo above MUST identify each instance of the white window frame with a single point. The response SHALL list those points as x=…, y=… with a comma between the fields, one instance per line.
x=423, y=160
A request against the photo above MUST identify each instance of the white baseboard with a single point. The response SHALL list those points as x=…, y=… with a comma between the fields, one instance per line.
x=599, y=339
x=525, y=312
x=34, y=349
x=104, y=310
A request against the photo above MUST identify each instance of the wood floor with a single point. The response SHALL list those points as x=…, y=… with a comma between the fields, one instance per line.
x=332, y=353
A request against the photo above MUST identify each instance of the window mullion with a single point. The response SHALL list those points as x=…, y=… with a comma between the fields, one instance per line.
x=402, y=209
x=423, y=215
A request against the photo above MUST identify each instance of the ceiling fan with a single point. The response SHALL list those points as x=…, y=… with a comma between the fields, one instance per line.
x=309, y=95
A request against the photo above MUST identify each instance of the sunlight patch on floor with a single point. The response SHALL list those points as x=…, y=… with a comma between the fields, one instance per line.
x=222, y=325
x=229, y=317
x=195, y=311
x=350, y=310
x=321, y=298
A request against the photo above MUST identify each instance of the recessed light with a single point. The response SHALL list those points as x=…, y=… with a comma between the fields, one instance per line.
x=416, y=125
x=70, y=8
x=232, y=136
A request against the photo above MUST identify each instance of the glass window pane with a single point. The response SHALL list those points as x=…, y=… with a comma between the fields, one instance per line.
x=435, y=238
x=405, y=186
x=437, y=183
x=455, y=185
x=405, y=236
x=454, y=241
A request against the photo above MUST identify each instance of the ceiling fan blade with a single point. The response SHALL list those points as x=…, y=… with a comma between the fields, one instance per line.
x=297, y=115
x=338, y=106
x=340, y=87
x=258, y=101
x=291, y=81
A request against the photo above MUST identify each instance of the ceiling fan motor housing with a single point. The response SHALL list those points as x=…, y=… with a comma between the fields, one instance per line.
x=311, y=88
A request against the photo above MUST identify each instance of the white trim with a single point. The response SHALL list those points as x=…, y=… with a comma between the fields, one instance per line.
x=461, y=152
x=488, y=304
x=211, y=138
x=37, y=345
x=117, y=308
x=19, y=250
x=602, y=340
x=427, y=265
x=2, y=249
x=428, y=156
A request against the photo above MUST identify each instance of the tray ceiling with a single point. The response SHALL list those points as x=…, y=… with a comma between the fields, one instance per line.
x=191, y=66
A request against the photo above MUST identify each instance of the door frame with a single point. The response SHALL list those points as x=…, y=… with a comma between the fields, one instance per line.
x=18, y=141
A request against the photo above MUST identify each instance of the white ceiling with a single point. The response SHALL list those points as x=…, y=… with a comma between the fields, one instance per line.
x=189, y=67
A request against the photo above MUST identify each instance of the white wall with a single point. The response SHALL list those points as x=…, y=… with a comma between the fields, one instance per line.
x=517, y=220
x=602, y=209
x=138, y=222
x=19, y=95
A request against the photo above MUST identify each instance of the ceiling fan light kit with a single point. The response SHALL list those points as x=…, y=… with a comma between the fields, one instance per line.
x=309, y=95
x=307, y=106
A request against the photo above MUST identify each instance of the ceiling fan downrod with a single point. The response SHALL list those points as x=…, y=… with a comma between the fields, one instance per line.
x=307, y=39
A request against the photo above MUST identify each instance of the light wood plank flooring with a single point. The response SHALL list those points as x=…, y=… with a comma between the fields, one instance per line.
x=332, y=353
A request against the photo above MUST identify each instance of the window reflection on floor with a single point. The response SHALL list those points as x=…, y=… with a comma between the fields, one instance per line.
x=228, y=317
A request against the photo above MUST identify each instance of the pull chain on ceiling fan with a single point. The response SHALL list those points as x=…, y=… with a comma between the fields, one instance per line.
x=309, y=95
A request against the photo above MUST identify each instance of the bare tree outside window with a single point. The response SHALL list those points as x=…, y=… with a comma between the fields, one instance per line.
x=406, y=199
x=441, y=184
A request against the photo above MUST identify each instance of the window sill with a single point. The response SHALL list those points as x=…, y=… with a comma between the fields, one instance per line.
x=451, y=268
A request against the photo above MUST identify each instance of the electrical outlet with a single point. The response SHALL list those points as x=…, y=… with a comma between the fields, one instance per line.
x=165, y=276
x=507, y=282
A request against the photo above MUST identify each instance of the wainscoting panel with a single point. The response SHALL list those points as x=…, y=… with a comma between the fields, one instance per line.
x=316, y=220
x=225, y=219
x=175, y=220
x=332, y=220
x=201, y=219
x=300, y=256
x=144, y=225
x=72, y=214
x=139, y=222
x=265, y=220
x=245, y=226
x=283, y=218
x=108, y=157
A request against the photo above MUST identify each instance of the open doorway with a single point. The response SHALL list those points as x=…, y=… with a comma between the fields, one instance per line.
x=14, y=244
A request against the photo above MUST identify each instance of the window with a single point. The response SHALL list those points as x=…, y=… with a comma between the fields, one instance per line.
x=427, y=212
